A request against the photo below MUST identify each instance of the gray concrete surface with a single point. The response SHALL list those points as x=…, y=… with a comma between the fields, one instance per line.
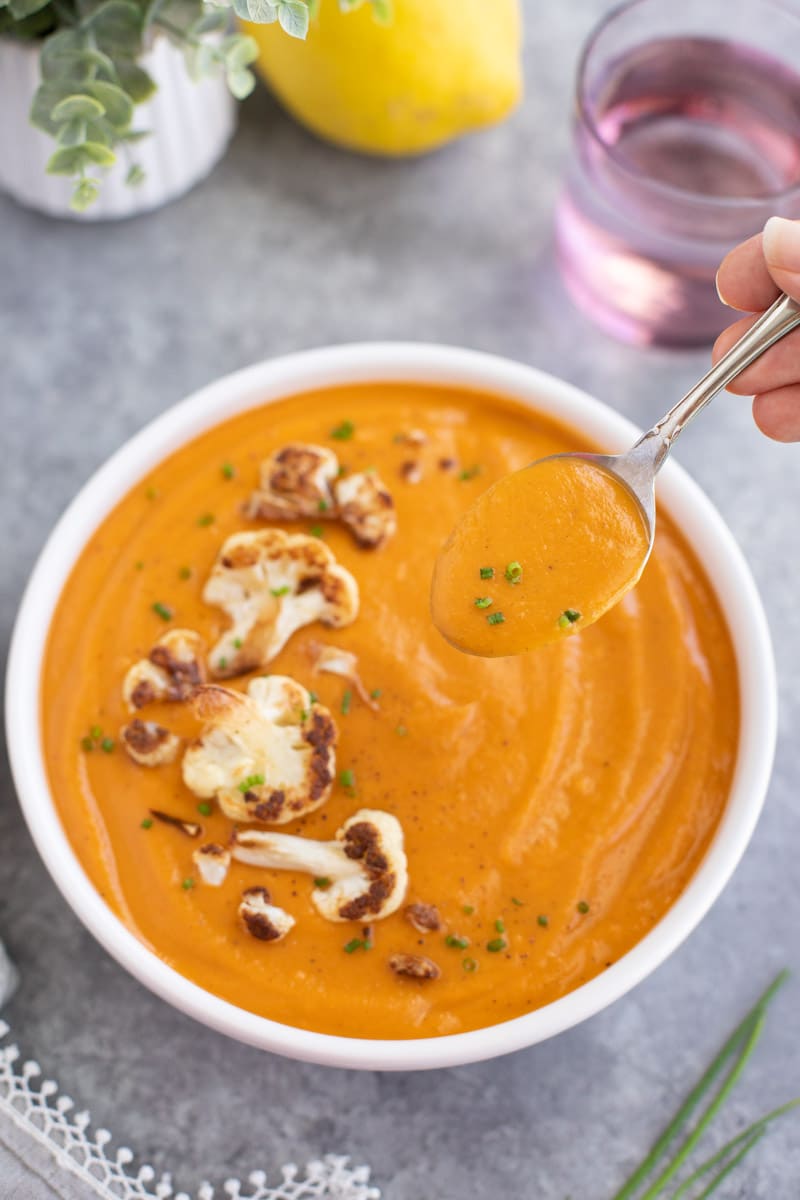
x=293, y=244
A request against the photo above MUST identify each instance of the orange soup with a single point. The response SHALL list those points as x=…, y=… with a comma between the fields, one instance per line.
x=551, y=807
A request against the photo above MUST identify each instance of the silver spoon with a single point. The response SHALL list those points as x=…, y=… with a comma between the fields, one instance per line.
x=638, y=467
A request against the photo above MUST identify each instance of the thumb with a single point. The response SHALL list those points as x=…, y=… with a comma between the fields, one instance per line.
x=781, y=245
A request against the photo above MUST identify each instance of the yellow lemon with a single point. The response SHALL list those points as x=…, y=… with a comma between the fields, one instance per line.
x=437, y=70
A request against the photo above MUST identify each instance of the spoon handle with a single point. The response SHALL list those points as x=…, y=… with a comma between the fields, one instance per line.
x=779, y=319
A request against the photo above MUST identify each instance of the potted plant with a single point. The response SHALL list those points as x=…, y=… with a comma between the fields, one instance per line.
x=132, y=101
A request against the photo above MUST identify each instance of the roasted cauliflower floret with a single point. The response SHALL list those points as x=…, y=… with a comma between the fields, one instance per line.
x=295, y=482
x=266, y=756
x=366, y=507
x=261, y=918
x=336, y=661
x=171, y=671
x=361, y=875
x=272, y=583
x=148, y=743
x=212, y=862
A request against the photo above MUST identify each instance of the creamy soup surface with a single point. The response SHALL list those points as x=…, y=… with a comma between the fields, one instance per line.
x=553, y=805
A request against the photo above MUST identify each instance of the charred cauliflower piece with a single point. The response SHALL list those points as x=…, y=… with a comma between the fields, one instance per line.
x=261, y=918
x=366, y=508
x=265, y=756
x=295, y=481
x=149, y=744
x=171, y=671
x=212, y=862
x=272, y=583
x=361, y=875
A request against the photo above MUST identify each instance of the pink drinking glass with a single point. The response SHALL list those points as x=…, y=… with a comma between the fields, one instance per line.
x=686, y=138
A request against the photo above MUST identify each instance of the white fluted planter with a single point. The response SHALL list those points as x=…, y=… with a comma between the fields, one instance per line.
x=191, y=124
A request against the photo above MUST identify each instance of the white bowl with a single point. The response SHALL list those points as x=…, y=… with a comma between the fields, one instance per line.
x=268, y=381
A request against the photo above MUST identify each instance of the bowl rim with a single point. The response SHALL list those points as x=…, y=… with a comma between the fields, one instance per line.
x=389, y=362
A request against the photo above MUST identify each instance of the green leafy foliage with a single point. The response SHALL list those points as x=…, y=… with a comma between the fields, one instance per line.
x=91, y=74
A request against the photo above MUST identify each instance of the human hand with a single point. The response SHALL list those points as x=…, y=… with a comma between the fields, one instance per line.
x=749, y=279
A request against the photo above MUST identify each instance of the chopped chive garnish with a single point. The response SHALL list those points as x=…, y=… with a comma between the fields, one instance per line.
x=469, y=965
x=513, y=572
x=185, y=573
x=469, y=909
x=357, y=944
x=322, y=881
x=313, y=698
x=347, y=778
x=323, y=506
x=206, y=519
x=483, y=601
x=151, y=493
x=495, y=618
x=237, y=643
x=401, y=731
x=187, y=884
x=147, y=823
x=519, y=903
x=487, y=572
x=496, y=944
x=107, y=744
x=347, y=700
x=457, y=943
x=582, y=906
x=376, y=693
x=469, y=473
x=344, y=431
x=162, y=610
x=543, y=920
x=228, y=470
x=139, y=565
x=87, y=744
x=222, y=663
x=205, y=809
x=317, y=531
x=500, y=925
x=568, y=617
x=281, y=591
x=96, y=732
x=303, y=714
x=250, y=782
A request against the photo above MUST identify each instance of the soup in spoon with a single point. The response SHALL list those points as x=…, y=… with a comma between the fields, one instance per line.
x=541, y=554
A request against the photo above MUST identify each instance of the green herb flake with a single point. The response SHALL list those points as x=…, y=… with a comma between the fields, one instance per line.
x=469, y=909
x=347, y=778
x=185, y=573
x=401, y=731
x=317, y=531
x=107, y=745
x=469, y=473
x=204, y=809
x=513, y=572
x=87, y=744
x=582, y=906
x=376, y=693
x=469, y=965
x=96, y=732
x=281, y=591
x=347, y=700
x=483, y=601
x=568, y=617
x=343, y=431
x=500, y=925
x=222, y=663
x=519, y=903
x=139, y=565
x=228, y=470
x=543, y=920
x=487, y=572
x=496, y=945
x=322, y=881
x=496, y=618
x=205, y=520
x=151, y=493
x=323, y=506
x=147, y=823
x=457, y=943
x=162, y=610
x=357, y=944
x=250, y=782
x=187, y=884
x=313, y=698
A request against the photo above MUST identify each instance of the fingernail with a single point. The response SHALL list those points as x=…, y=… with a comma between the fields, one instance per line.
x=719, y=293
x=782, y=243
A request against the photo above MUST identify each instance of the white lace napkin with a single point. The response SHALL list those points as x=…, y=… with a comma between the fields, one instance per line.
x=52, y=1151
